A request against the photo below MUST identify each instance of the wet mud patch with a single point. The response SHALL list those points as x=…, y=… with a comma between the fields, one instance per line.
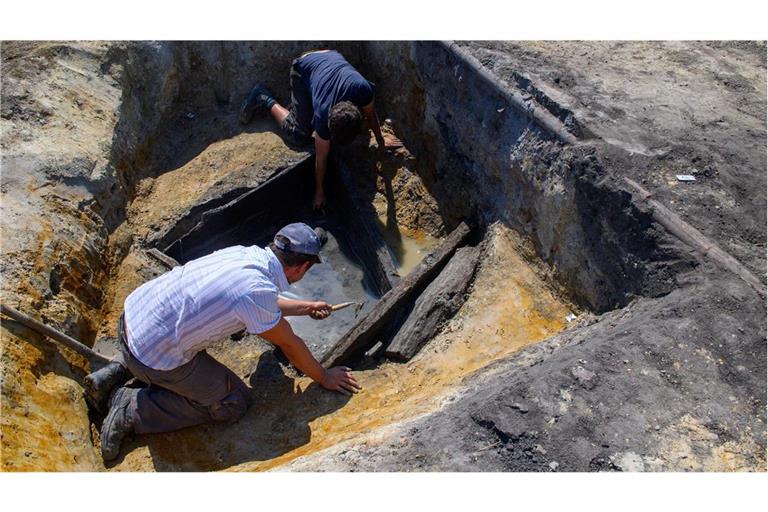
x=390, y=185
x=339, y=278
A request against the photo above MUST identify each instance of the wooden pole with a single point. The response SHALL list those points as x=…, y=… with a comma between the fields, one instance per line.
x=62, y=338
x=439, y=301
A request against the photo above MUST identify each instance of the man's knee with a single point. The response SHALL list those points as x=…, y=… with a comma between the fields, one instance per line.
x=230, y=408
x=293, y=132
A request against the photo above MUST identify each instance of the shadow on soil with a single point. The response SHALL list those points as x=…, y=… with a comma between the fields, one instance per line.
x=276, y=423
x=185, y=135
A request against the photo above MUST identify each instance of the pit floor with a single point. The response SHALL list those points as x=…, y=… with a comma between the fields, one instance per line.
x=510, y=308
x=336, y=279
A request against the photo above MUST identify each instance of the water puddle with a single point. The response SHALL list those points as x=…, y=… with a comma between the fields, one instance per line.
x=339, y=278
x=407, y=248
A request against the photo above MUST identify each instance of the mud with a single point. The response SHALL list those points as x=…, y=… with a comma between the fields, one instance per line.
x=409, y=218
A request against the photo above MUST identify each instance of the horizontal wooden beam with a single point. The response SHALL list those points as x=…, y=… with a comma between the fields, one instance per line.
x=438, y=303
x=164, y=259
x=364, y=333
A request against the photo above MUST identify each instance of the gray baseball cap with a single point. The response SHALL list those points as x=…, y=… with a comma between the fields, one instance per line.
x=301, y=239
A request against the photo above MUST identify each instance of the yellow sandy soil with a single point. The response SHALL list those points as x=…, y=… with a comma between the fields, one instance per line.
x=508, y=309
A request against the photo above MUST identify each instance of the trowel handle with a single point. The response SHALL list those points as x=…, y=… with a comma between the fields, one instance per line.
x=343, y=305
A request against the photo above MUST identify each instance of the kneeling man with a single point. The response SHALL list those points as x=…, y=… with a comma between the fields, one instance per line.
x=168, y=322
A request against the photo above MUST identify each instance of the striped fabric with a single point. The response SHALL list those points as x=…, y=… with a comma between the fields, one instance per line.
x=172, y=318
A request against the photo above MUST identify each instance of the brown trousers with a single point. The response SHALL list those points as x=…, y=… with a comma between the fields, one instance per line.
x=200, y=391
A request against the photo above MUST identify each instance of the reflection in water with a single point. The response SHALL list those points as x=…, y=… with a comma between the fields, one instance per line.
x=337, y=279
x=408, y=250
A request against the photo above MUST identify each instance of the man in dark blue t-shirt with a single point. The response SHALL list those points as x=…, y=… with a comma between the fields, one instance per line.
x=329, y=97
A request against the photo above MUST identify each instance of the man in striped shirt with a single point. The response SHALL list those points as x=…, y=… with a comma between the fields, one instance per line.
x=168, y=322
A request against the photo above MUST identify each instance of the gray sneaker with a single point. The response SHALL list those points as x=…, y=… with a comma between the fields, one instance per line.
x=118, y=423
x=258, y=101
x=97, y=386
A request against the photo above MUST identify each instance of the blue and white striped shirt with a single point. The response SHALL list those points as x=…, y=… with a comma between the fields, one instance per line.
x=175, y=316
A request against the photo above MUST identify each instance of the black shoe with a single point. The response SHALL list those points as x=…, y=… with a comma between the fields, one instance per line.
x=258, y=101
x=99, y=384
x=118, y=423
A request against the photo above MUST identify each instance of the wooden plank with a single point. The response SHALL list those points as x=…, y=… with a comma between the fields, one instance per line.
x=165, y=260
x=368, y=242
x=439, y=302
x=252, y=212
x=364, y=333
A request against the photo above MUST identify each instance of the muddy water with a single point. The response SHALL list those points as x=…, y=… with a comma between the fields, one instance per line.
x=339, y=278
x=106, y=347
x=407, y=247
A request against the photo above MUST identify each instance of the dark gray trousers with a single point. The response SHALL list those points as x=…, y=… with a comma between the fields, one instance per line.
x=200, y=391
x=297, y=126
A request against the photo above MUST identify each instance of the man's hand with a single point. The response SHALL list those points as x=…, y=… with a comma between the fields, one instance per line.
x=319, y=200
x=339, y=378
x=320, y=310
x=388, y=144
x=392, y=142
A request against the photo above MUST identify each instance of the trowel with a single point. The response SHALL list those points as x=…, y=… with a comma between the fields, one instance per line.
x=358, y=306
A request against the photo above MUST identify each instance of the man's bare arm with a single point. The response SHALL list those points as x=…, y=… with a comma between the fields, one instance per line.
x=322, y=148
x=369, y=111
x=316, y=309
x=338, y=378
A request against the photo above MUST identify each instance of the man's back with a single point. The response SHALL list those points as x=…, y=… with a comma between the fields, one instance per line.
x=330, y=80
x=171, y=318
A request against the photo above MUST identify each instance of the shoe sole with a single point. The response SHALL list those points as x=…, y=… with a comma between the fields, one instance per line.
x=106, y=427
x=246, y=113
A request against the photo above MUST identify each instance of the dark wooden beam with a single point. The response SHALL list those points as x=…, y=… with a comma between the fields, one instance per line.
x=164, y=259
x=364, y=333
x=438, y=303
x=369, y=241
x=249, y=216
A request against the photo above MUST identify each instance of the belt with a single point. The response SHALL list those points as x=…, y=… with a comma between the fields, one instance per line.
x=121, y=336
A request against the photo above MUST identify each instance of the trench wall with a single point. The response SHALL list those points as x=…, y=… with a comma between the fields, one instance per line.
x=480, y=156
x=168, y=80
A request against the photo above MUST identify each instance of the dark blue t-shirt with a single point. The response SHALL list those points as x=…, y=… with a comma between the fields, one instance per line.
x=331, y=79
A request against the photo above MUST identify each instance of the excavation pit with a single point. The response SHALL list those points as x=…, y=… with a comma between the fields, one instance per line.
x=561, y=231
x=360, y=262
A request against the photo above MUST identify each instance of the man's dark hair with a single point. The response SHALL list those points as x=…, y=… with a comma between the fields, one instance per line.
x=345, y=121
x=290, y=258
